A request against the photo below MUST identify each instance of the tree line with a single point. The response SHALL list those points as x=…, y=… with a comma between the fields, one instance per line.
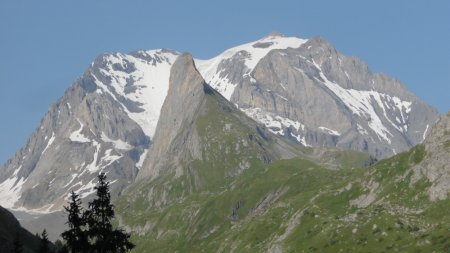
x=90, y=230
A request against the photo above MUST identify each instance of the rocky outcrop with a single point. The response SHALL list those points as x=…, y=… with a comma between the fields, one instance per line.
x=435, y=166
x=175, y=132
x=177, y=141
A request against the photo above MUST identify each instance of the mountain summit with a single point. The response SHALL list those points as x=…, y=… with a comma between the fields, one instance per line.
x=111, y=117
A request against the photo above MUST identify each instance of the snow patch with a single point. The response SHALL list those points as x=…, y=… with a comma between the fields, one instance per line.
x=330, y=131
x=77, y=136
x=285, y=99
x=118, y=144
x=425, y=133
x=150, y=84
x=142, y=159
x=49, y=143
x=345, y=72
x=220, y=82
x=92, y=167
x=10, y=191
x=108, y=158
x=87, y=189
x=16, y=171
x=359, y=102
x=275, y=124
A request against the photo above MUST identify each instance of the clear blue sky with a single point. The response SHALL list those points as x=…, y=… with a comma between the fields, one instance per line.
x=46, y=45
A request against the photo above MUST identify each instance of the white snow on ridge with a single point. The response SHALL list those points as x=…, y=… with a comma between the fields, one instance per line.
x=211, y=73
x=150, y=85
x=330, y=131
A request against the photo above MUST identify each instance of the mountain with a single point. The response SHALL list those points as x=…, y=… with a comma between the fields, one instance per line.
x=211, y=203
x=10, y=229
x=309, y=92
x=177, y=137
x=104, y=122
x=205, y=151
x=108, y=120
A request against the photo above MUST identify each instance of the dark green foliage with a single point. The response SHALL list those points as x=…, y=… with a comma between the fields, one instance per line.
x=17, y=244
x=44, y=248
x=104, y=238
x=76, y=237
x=92, y=230
x=100, y=215
x=61, y=247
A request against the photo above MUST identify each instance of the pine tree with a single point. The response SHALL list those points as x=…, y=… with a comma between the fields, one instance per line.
x=44, y=248
x=76, y=236
x=17, y=244
x=101, y=233
x=60, y=247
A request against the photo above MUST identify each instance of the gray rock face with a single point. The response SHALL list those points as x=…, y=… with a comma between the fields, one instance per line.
x=175, y=132
x=435, y=166
x=310, y=93
x=103, y=123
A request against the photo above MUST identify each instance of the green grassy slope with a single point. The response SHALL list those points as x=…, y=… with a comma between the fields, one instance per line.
x=298, y=206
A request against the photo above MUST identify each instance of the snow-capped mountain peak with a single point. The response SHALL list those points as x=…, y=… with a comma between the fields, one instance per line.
x=248, y=55
x=139, y=82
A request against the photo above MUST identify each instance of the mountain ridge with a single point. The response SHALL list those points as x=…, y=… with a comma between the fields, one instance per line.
x=106, y=120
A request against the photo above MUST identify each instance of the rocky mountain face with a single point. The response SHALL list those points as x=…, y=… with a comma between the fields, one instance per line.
x=10, y=231
x=109, y=118
x=104, y=122
x=435, y=166
x=308, y=92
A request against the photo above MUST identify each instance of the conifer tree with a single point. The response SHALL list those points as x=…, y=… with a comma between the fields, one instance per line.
x=17, y=244
x=76, y=236
x=44, y=247
x=99, y=216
